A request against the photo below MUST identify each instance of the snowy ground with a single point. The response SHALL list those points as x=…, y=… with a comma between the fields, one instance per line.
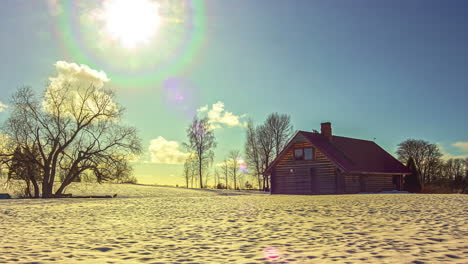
x=174, y=225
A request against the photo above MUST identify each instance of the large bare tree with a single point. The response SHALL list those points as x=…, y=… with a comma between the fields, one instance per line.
x=70, y=131
x=201, y=142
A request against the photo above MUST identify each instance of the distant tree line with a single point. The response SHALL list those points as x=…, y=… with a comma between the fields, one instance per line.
x=64, y=135
x=430, y=171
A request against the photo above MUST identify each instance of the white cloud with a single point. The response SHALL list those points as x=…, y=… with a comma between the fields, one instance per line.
x=202, y=109
x=163, y=151
x=77, y=74
x=3, y=107
x=461, y=145
x=72, y=82
x=219, y=117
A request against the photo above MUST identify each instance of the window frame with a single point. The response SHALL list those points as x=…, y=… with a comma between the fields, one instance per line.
x=303, y=153
x=296, y=157
x=313, y=153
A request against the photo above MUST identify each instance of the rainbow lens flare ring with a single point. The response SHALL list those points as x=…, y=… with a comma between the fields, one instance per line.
x=179, y=40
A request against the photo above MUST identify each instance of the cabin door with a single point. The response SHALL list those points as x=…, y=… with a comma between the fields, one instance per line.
x=314, y=181
x=339, y=182
x=362, y=182
x=397, y=182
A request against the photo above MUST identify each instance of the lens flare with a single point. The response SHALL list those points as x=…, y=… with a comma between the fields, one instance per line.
x=131, y=22
x=271, y=254
x=135, y=59
x=180, y=95
x=242, y=166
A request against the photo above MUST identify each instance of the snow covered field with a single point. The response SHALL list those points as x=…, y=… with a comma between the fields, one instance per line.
x=150, y=224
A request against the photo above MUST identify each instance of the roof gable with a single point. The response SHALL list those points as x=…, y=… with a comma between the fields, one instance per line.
x=300, y=135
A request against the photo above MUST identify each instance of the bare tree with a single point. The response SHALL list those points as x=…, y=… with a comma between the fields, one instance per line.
x=426, y=156
x=207, y=179
x=280, y=129
x=252, y=153
x=225, y=168
x=73, y=131
x=201, y=142
x=454, y=172
x=264, y=143
x=266, y=146
x=21, y=168
x=234, y=156
x=189, y=170
x=216, y=178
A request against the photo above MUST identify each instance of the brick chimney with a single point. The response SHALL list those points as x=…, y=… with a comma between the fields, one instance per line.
x=326, y=130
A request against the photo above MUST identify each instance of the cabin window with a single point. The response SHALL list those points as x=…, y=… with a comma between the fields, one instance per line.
x=304, y=154
x=298, y=154
x=308, y=153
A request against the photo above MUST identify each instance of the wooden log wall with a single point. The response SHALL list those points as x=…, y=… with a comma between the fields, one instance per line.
x=372, y=183
x=379, y=183
x=352, y=184
x=292, y=176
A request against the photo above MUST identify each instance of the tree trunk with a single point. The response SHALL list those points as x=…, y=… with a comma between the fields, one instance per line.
x=200, y=173
x=36, y=187
x=46, y=191
x=226, y=181
x=259, y=179
x=28, y=189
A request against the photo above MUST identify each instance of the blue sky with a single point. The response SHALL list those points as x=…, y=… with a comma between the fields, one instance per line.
x=389, y=70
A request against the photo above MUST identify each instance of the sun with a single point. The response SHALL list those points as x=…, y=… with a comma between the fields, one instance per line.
x=131, y=22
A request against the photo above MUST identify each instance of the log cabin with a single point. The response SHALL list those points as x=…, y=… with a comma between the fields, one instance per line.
x=321, y=163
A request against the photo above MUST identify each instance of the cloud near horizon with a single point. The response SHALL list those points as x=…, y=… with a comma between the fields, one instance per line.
x=461, y=145
x=163, y=151
x=219, y=117
x=3, y=107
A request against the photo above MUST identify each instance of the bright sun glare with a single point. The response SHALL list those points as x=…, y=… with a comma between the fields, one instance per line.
x=131, y=22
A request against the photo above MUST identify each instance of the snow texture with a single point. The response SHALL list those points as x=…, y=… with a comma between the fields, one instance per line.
x=149, y=224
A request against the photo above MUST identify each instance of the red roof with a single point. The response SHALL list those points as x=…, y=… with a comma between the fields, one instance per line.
x=355, y=155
